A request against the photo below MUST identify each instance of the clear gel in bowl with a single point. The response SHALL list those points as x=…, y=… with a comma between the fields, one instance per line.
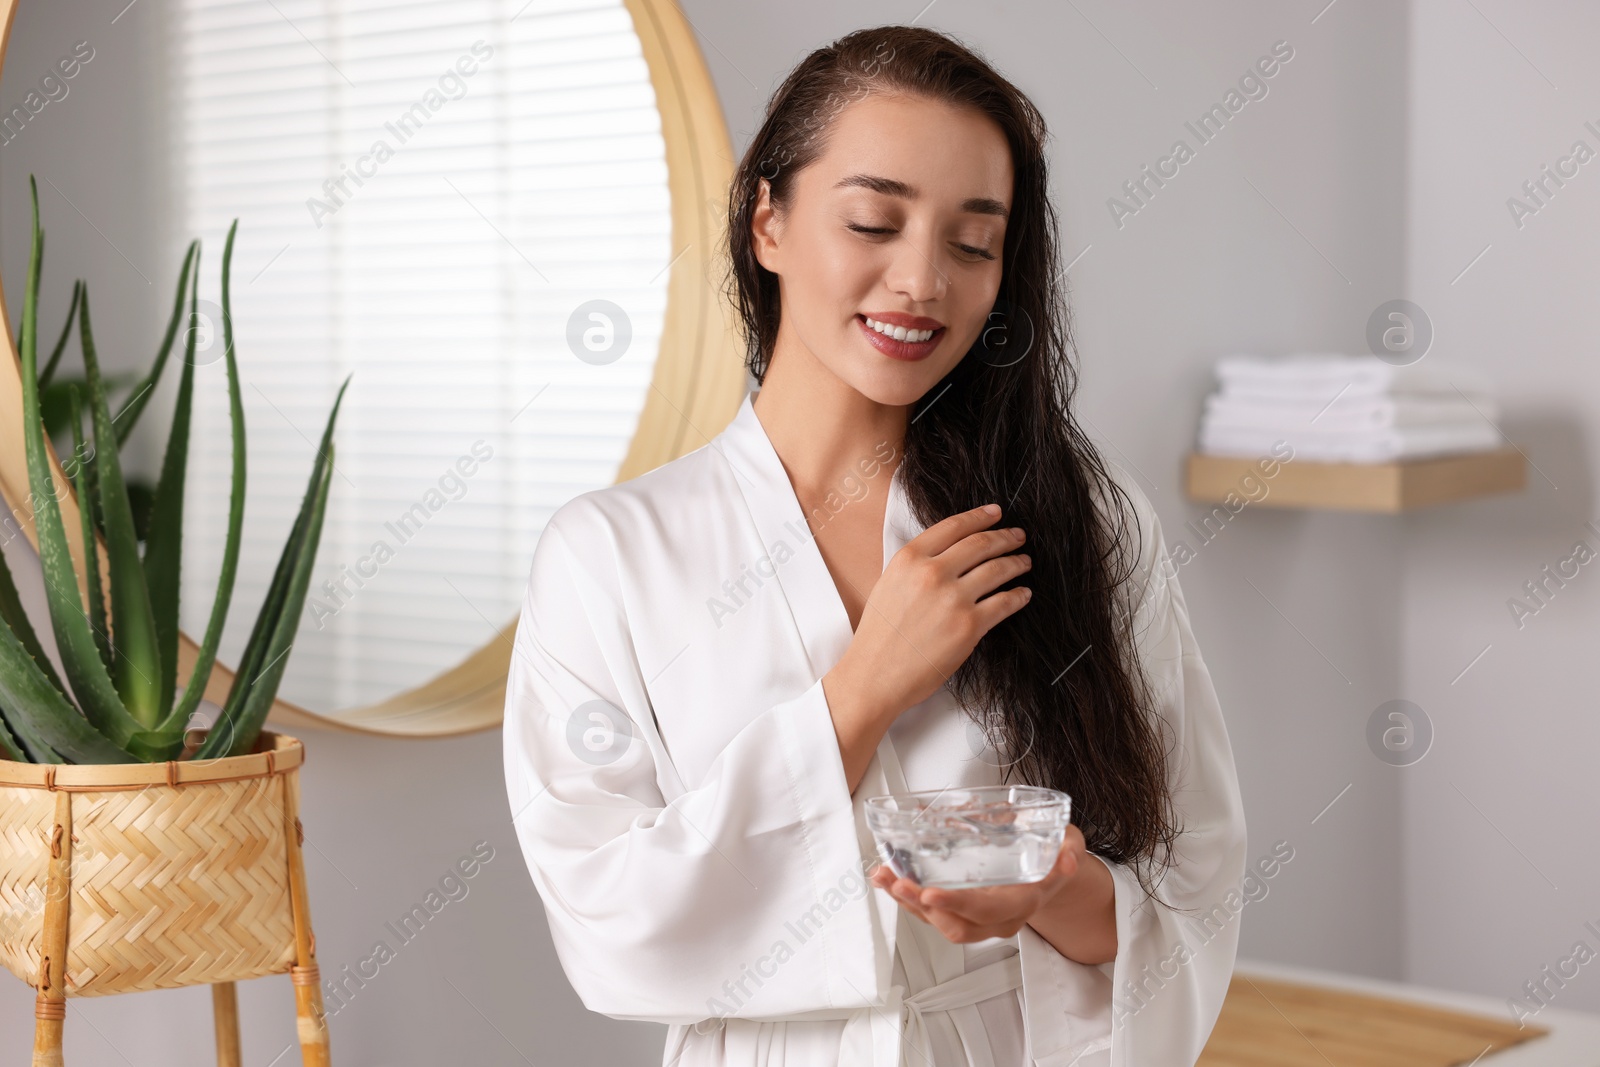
x=965, y=838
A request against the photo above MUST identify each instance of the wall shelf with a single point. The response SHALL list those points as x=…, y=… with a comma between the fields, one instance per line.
x=1373, y=487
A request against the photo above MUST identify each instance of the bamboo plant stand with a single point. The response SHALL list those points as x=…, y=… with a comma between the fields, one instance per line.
x=130, y=877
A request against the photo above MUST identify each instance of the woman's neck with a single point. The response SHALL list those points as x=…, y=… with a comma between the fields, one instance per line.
x=821, y=427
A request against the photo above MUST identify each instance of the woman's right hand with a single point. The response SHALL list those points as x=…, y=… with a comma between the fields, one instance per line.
x=922, y=620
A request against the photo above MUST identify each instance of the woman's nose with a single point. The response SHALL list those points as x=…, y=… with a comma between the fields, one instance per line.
x=916, y=272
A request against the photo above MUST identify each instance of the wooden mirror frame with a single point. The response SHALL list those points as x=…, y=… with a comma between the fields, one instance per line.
x=696, y=387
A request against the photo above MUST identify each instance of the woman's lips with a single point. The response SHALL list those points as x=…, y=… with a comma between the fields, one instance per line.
x=906, y=350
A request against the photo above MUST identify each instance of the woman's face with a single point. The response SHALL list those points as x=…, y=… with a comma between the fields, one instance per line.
x=901, y=220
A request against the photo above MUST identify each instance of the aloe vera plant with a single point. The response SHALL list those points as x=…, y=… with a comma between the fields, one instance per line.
x=120, y=700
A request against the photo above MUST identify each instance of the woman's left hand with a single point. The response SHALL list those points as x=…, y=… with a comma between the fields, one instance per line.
x=964, y=915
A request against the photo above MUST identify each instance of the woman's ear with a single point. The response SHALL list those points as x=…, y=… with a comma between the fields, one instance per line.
x=765, y=227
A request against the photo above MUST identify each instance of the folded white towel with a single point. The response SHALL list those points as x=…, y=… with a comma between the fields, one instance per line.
x=1352, y=446
x=1330, y=373
x=1322, y=394
x=1346, y=412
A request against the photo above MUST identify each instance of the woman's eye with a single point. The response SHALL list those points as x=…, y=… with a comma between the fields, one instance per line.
x=880, y=230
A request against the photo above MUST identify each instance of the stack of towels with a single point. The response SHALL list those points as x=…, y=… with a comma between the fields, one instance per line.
x=1347, y=409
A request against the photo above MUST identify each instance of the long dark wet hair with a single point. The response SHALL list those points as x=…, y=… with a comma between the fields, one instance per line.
x=1060, y=676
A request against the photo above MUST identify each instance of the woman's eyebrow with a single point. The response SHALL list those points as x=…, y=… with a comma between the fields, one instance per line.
x=978, y=205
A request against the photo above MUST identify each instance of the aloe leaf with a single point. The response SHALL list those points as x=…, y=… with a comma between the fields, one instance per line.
x=136, y=668
x=55, y=398
x=220, y=737
x=9, y=747
x=261, y=668
x=86, y=510
x=61, y=345
x=256, y=685
x=133, y=407
x=90, y=682
x=32, y=745
x=14, y=615
x=164, y=545
x=177, y=719
x=255, y=648
x=34, y=703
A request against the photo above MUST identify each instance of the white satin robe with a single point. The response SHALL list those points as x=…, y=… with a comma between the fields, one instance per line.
x=679, y=796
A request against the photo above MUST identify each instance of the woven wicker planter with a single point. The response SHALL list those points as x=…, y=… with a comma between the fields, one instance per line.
x=131, y=877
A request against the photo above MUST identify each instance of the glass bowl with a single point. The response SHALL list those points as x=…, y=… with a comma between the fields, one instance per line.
x=965, y=838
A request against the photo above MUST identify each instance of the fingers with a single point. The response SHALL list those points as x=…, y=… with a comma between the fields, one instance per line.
x=971, y=551
x=997, y=606
x=961, y=916
x=960, y=929
x=955, y=928
x=1073, y=844
x=988, y=906
x=903, y=890
x=987, y=577
x=1067, y=862
x=946, y=532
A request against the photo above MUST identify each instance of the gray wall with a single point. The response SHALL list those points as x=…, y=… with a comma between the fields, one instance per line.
x=1281, y=234
x=1499, y=870
x=98, y=153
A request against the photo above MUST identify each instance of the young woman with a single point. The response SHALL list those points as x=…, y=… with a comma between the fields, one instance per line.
x=901, y=566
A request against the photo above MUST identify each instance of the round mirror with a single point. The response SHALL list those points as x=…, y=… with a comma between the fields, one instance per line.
x=501, y=222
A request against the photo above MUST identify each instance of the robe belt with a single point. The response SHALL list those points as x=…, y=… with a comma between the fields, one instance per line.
x=896, y=1035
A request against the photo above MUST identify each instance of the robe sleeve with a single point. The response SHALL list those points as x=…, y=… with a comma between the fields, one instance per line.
x=744, y=896
x=1166, y=986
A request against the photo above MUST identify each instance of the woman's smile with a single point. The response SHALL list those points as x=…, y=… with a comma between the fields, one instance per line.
x=901, y=336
